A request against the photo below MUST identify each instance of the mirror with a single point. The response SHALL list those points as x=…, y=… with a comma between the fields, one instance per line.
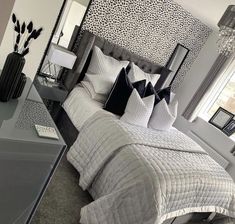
x=175, y=62
x=58, y=55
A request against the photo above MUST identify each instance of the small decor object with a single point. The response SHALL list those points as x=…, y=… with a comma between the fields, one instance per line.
x=221, y=118
x=229, y=129
x=20, y=86
x=15, y=61
x=46, y=132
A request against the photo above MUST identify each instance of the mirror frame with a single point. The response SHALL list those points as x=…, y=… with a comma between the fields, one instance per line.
x=54, y=30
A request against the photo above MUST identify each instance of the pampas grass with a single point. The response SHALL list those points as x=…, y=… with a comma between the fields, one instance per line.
x=24, y=35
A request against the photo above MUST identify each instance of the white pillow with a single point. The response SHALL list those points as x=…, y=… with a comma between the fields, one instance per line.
x=163, y=115
x=103, y=64
x=136, y=74
x=138, y=111
x=102, y=83
x=90, y=90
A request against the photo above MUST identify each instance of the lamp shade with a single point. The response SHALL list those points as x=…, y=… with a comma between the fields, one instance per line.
x=228, y=18
x=61, y=56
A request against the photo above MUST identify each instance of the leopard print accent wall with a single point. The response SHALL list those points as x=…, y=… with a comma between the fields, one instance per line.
x=150, y=28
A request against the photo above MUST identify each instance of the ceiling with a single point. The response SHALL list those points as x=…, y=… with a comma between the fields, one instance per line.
x=208, y=11
x=83, y=2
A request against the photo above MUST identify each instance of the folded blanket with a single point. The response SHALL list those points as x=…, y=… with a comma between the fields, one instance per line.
x=139, y=175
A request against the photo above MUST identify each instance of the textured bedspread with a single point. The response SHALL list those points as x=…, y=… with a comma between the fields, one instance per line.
x=142, y=176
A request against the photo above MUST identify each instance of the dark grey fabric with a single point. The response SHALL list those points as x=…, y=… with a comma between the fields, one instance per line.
x=87, y=42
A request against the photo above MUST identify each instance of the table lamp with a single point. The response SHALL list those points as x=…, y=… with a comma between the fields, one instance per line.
x=58, y=56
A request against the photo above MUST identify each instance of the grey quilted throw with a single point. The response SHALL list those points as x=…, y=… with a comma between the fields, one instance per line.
x=143, y=176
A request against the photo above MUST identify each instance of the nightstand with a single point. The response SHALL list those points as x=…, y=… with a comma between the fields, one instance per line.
x=52, y=93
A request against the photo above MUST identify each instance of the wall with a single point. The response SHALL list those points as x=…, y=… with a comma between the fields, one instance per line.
x=211, y=136
x=43, y=13
x=5, y=12
x=149, y=28
x=83, y=2
x=209, y=11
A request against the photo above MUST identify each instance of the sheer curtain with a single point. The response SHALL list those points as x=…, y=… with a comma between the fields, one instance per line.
x=191, y=111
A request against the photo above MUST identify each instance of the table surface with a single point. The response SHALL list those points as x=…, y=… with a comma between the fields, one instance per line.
x=27, y=161
x=49, y=90
x=17, y=118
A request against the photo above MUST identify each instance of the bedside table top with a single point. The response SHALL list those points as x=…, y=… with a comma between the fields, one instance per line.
x=18, y=117
x=50, y=91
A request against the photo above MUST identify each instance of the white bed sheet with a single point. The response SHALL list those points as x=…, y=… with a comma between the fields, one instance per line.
x=79, y=106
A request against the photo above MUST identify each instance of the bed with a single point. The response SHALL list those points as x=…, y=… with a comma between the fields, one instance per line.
x=135, y=174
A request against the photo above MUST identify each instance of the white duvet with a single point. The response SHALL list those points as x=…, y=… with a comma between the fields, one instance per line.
x=79, y=106
x=137, y=175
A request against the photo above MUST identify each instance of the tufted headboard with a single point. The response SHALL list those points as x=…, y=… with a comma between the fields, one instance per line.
x=84, y=52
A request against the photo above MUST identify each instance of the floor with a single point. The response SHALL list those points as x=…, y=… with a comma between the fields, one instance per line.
x=63, y=199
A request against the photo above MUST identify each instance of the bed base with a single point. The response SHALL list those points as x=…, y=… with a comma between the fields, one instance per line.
x=66, y=128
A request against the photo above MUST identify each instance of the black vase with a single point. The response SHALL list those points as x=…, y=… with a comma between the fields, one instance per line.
x=20, y=86
x=10, y=75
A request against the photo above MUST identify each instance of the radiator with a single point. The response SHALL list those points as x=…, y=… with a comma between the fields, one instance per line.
x=214, y=154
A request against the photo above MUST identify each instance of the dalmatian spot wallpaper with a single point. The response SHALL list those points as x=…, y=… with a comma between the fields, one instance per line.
x=150, y=28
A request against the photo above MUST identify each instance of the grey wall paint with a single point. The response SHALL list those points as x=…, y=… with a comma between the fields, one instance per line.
x=208, y=133
x=83, y=2
x=5, y=12
x=150, y=28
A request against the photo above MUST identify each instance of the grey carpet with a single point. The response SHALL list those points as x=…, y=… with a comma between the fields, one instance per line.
x=63, y=199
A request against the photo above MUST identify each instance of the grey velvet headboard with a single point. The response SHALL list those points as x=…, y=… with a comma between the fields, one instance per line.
x=88, y=40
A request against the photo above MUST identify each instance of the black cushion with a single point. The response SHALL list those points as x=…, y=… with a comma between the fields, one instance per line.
x=121, y=91
x=140, y=87
x=119, y=94
x=165, y=93
x=151, y=91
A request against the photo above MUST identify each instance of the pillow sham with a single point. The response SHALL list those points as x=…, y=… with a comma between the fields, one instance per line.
x=103, y=64
x=120, y=93
x=138, y=111
x=163, y=115
x=90, y=90
x=135, y=74
x=102, y=83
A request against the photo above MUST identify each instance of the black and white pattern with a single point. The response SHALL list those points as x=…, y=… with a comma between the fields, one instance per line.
x=150, y=28
x=33, y=113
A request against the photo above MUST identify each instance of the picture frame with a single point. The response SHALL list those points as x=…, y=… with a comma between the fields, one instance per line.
x=229, y=129
x=221, y=118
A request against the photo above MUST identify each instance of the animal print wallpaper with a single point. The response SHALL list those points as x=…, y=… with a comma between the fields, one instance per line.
x=150, y=28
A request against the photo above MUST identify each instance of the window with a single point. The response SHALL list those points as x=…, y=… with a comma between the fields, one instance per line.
x=222, y=94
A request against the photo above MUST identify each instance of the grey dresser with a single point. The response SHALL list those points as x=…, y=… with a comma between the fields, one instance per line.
x=27, y=162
